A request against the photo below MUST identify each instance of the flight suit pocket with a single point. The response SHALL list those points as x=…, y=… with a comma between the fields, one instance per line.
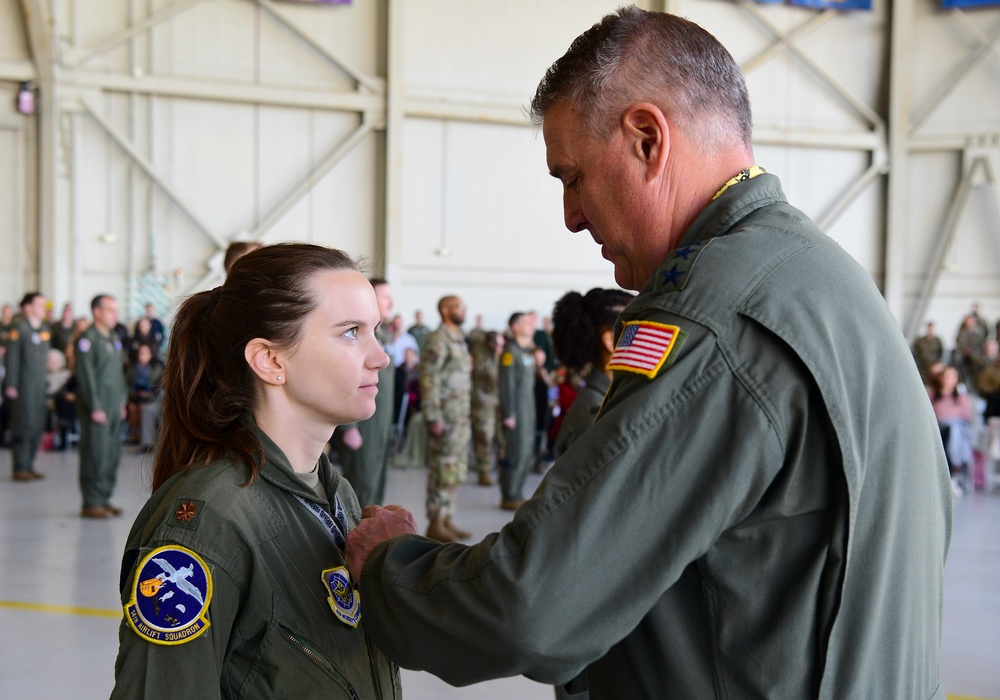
x=288, y=665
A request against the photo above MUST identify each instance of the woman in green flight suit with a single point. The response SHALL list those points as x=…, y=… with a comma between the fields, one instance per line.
x=233, y=579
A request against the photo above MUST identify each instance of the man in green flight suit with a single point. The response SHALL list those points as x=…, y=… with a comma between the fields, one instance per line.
x=101, y=400
x=762, y=506
x=517, y=409
x=445, y=399
x=363, y=448
x=27, y=348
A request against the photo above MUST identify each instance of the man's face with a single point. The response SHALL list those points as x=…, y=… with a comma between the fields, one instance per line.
x=106, y=315
x=453, y=310
x=603, y=188
x=35, y=311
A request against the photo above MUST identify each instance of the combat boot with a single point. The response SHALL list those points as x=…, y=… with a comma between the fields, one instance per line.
x=459, y=533
x=437, y=530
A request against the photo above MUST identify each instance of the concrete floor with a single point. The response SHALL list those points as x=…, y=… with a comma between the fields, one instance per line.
x=59, y=605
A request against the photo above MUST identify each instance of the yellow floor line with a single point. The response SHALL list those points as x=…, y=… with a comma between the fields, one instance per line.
x=60, y=609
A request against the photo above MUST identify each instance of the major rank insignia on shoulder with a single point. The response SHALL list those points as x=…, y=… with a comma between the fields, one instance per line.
x=643, y=347
x=170, y=596
x=343, y=599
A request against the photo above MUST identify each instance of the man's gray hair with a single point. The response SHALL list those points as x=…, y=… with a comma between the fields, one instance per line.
x=638, y=56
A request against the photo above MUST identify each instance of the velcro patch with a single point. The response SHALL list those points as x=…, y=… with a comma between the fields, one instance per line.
x=83, y=345
x=643, y=347
x=507, y=359
x=170, y=596
x=344, y=600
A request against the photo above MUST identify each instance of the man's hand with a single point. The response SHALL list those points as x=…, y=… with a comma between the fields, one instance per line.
x=98, y=416
x=11, y=393
x=377, y=525
x=436, y=428
x=352, y=439
x=510, y=423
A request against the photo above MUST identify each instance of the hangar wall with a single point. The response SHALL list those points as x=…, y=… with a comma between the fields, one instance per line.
x=396, y=130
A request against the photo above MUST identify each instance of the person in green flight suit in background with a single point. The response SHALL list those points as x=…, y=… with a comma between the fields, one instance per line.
x=28, y=344
x=363, y=448
x=101, y=401
x=517, y=409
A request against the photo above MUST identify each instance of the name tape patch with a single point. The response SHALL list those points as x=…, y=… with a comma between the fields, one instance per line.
x=170, y=596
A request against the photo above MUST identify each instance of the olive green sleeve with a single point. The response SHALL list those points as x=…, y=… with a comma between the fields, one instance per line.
x=190, y=669
x=614, y=524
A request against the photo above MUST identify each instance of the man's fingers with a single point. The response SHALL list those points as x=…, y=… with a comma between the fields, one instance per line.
x=370, y=511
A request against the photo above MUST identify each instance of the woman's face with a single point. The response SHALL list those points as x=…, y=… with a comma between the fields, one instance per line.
x=949, y=380
x=145, y=355
x=331, y=374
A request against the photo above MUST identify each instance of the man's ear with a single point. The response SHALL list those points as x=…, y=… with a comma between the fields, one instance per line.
x=265, y=361
x=647, y=132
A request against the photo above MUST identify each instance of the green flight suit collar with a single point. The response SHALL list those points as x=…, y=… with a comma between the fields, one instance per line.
x=277, y=470
x=717, y=219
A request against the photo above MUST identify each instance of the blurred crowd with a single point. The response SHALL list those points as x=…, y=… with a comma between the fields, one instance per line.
x=142, y=345
x=964, y=388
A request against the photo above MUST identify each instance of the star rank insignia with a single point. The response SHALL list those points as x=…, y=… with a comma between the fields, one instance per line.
x=673, y=273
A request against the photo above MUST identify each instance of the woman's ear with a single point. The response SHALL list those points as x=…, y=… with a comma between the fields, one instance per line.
x=265, y=361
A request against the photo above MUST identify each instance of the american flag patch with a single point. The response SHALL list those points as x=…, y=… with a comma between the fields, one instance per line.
x=643, y=347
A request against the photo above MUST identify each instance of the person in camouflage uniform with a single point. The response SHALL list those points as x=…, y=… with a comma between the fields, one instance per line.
x=927, y=349
x=445, y=389
x=485, y=402
x=27, y=348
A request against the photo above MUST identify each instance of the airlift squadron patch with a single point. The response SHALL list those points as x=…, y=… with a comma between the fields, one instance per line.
x=170, y=596
x=343, y=599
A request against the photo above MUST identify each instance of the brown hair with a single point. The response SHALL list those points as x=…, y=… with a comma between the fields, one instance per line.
x=236, y=250
x=210, y=391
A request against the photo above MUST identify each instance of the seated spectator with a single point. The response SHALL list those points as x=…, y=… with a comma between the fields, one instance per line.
x=143, y=336
x=61, y=392
x=953, y=410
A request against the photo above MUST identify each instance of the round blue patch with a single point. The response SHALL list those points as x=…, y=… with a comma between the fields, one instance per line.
x=170, y=596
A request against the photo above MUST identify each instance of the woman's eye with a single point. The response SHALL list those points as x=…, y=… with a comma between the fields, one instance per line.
x=352, y=333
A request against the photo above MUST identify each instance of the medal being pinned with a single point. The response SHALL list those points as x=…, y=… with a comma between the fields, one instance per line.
x=343, y=599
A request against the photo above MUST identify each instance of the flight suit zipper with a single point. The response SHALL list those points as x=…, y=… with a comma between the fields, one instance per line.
x=320, y=661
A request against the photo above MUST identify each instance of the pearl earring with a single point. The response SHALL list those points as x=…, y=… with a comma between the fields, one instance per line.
x=279, y=377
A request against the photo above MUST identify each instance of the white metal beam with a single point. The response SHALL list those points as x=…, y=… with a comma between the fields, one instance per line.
x=39, y=23
x=302, y=189
x=979, y=167
x=75, y=57
x=151, y=172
